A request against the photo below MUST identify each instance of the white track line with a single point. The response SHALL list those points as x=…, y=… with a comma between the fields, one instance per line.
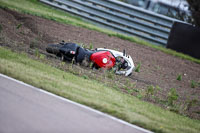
x=77, y=104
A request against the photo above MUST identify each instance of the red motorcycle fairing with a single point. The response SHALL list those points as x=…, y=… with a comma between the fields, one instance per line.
x=103, y=59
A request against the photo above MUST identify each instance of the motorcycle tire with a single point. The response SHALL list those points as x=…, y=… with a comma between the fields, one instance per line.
x=53, y=48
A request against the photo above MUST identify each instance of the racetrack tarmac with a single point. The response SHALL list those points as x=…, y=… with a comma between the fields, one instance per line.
x=26, y=109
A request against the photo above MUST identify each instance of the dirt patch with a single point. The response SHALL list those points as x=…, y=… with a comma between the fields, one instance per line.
x=158, y=73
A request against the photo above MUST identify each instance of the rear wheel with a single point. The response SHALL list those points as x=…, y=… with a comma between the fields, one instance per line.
x=53, y=48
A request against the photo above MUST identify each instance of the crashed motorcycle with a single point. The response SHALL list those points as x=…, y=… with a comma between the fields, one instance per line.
x=120, y=62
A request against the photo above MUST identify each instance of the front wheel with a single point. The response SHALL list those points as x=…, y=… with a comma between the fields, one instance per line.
x=129, y=74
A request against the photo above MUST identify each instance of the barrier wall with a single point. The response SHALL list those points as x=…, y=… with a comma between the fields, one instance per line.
x=185, y=38
x=120, y=17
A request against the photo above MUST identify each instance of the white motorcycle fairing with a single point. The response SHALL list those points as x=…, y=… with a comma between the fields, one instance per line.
x=128, y=71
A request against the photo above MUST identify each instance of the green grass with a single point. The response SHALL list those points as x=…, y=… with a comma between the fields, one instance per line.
x=179, y=77
x=36, y=8
x=137, y=69
x=94, y=94
x=0, y=28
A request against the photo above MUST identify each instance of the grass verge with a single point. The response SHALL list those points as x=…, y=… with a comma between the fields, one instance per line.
x=94, y=94
x=34, y=7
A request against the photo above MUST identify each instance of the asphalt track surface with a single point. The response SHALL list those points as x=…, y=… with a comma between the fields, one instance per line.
x=26, y=109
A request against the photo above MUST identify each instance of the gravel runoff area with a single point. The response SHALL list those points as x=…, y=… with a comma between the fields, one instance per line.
x=22, y=32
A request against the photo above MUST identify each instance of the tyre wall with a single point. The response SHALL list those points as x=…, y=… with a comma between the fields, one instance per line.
x=185, y=38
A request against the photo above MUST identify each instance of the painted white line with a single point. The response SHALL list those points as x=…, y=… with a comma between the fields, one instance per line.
x=77, y=104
